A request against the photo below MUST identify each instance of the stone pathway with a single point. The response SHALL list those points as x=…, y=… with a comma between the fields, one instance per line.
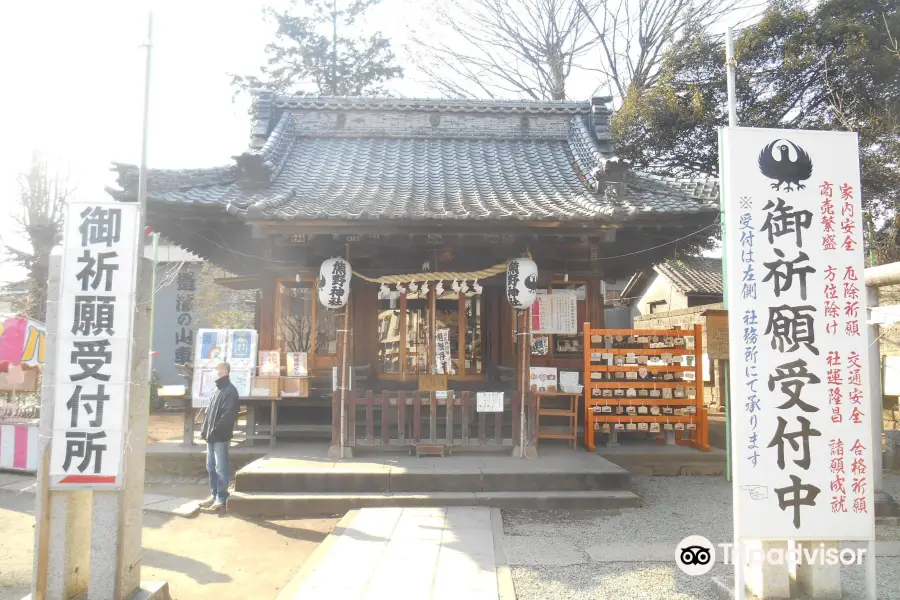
x=428, y=553
x=154, y=503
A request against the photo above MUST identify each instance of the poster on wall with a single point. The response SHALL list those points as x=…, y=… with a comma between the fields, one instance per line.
x=802, y=436
x=543, y=379
x=270, y=363
x=202, y=387
x=240, y=378
x=211, y=347
x=296, y=364
x=555, y=313
x=489, y=402
x=241, y=348
x=94, y=342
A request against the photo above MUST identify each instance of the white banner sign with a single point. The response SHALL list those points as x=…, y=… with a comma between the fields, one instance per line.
x=442, y=360
x=94, y=345
x=801, y=427
x=489, y=402
x=555, y=313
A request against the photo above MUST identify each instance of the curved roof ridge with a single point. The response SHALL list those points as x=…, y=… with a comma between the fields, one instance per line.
x=170, y=179
x=700, y=188
x=268, y=161
x=592, y=158
x=271, y=100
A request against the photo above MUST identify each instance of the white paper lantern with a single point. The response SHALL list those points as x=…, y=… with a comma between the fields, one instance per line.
x=521, y=283
x=334, y=283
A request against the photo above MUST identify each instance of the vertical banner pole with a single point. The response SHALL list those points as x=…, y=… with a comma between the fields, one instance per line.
x=343, y=378
x=739, y=584
x=730, y=64
x=153, y=301
x=732, y=122
x=525, y=317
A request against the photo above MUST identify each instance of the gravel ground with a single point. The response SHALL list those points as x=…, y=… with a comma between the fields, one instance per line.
x=619, y=581
x=674, y=508
x=661, y=581
x=548, y=549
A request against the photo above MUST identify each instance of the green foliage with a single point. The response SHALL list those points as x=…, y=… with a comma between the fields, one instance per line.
x=310, y=58
x=831, y=67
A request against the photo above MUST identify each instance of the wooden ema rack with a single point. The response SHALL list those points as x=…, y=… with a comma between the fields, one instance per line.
x=661, y=383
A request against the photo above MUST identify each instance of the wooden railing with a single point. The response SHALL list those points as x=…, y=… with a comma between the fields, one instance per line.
x=405, y=418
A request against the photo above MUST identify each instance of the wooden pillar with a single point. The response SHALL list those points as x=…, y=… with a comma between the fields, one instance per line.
x=267, y=318
x=595, y=314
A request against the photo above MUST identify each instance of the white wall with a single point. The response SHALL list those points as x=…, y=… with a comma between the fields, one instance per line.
x=660, y=289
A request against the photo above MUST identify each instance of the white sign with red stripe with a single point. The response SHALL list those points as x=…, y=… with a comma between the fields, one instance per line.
x=94, y=345
x=18, y=447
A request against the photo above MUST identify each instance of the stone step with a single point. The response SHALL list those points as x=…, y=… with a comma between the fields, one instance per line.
x=305, y=505
x=394, y=480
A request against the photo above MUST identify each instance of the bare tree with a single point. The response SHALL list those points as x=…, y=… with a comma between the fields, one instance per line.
x=634, y=33
x=528, y=48
x=38, y=218
x=498, y=48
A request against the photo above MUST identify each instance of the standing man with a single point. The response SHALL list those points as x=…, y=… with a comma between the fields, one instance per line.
x=217, y=430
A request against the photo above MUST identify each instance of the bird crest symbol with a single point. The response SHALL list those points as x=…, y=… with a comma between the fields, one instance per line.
x=783, y=170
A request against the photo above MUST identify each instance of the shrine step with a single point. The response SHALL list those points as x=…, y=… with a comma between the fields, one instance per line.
x=304, y=505
x=426, y=481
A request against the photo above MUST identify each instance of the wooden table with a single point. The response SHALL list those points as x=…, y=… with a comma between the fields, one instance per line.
x=252, y=403
x=570, y=411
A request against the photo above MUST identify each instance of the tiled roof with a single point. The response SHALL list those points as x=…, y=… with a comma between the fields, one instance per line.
x=694, y=275
x=354, y=158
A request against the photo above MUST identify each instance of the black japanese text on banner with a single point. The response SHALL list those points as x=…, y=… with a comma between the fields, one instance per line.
x=94, y=345
x=801, y=435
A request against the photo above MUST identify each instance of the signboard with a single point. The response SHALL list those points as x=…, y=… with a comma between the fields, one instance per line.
x=22, y=342
x=270, y=363
x=297, y=364
x=94, y=345
x=489, y=402
x=543, y=379
x=442, y=361
x=237, y=347
x=555, y=313
x=432, y=383
x=184, y=307
x=801, y=428
x=241, y=348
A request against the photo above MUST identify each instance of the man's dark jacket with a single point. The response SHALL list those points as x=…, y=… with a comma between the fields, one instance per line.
x=218, y=425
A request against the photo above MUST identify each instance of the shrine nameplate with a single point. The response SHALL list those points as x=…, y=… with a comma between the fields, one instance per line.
x=432, y=383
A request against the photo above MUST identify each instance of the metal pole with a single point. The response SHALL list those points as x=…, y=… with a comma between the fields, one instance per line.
x=526, y=347
x=153, y=300
x=732, y=122
x=142, y=175
x=730, y=64
x=740, y=588
x=875, y=391
x=343, y=378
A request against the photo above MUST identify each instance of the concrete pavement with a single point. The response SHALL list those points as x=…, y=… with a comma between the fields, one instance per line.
x=153, y=503
x=428, y=553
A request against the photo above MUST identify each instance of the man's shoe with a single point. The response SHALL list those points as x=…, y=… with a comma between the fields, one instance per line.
x=216, y=506
x=208, y=502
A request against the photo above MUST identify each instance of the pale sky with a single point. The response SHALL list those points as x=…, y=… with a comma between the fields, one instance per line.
x=73, y=75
